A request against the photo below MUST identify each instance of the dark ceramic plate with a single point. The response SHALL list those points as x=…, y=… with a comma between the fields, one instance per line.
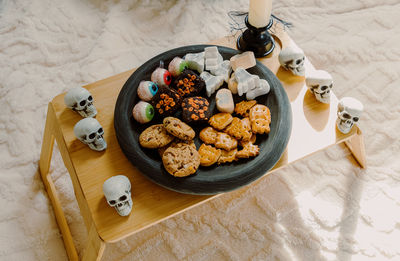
x=213, y=179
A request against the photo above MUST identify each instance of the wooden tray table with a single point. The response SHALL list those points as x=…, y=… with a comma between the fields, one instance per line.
x=313, y=130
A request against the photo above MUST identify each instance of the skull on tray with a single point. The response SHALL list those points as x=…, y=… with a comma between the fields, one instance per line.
x=292, y=58
x=320, y=83
x=349, y=112
x=90, y=132
x=117, y=191
x=80, y=100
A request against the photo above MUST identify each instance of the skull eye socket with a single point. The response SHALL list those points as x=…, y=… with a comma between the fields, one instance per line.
x=346, y=115
x=82, y=103
x=90, y=98
x=323, y=88
x=112, y=202
x=355, y=119
x=299, y=61
x=92, y=135
x=123, y=198
x=100, y=130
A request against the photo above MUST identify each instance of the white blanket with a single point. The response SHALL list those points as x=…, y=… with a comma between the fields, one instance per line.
x=321, y=208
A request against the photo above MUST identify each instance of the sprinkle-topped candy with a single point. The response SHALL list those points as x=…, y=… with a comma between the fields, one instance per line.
x=176, y=66
x=188, y=83
x=143, y=112
x=195, y=109
x=161, y=77
x=166, y=101
x=147, y=90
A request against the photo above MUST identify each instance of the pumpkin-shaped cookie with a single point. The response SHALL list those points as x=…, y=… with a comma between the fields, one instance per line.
x=260, y=118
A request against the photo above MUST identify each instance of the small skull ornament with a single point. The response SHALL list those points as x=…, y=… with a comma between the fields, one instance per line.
x=80, y=100
x=90, y=132
x=349, y=112
x=320, y=83
x=292, y=58
x=117, y=191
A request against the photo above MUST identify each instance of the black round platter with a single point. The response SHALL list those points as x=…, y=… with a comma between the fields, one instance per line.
x=216, y=178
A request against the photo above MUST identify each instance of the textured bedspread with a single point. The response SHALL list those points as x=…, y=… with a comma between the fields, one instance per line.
x=321, y=208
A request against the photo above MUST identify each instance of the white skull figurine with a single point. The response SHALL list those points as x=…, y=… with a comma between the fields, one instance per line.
x=320, y=84
x=349, y=112
x=117, y=191
x=80, y=100
x=292, y=58
x=90, y=132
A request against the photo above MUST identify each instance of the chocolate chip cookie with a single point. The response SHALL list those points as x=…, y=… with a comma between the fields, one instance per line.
x=181, y=160
x=155, y=136
x=179, y=129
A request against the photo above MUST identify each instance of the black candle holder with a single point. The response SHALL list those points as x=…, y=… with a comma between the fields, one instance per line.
x=257, y=40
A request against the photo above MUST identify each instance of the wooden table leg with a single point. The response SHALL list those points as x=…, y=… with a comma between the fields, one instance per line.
x=95, y=246
x=47, y=144
x=357, y=148
x=44, y=165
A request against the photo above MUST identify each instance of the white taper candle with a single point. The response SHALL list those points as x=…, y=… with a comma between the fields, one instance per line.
x=260, y=12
